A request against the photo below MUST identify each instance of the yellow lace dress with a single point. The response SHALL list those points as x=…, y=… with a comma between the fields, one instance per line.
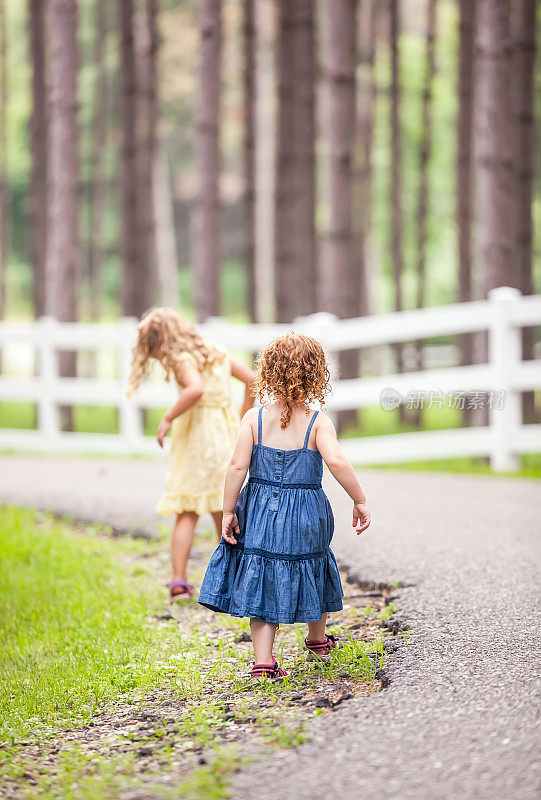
x=202, y=441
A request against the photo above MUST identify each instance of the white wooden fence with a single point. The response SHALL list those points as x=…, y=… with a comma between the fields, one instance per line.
x=503, y=315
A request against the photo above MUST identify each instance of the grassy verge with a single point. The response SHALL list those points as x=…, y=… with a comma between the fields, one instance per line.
x=72, y=624
x=87, y=419
x=530, y=466
x=105, y=685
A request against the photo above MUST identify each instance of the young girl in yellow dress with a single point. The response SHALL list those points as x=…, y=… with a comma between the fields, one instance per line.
x=203, y=421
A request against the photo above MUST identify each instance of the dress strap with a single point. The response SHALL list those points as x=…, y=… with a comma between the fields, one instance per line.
x=259, y=424
x=305, y=445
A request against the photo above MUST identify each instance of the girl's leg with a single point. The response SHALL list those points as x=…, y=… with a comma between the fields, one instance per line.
x=181, y=543
x=316, y=630
x=217, y=517
x=263, y=634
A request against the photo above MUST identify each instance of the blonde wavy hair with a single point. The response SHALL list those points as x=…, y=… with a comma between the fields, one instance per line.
x=292, y=369
x=164, y=335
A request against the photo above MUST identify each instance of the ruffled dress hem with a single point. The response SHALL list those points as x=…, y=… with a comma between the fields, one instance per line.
x=200, y=503
x=220, y=603
x=248, y=581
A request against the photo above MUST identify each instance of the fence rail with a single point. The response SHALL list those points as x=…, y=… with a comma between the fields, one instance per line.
x=502, y=316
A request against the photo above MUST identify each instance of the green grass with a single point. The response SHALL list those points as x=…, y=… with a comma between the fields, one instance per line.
x=72, y=626
x=81, y=776
x=530, y=466
x=87, y=419
x=18, y=415
x=374, y=421
x=79, y=638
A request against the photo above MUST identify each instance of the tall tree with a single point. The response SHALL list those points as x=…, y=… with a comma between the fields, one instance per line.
x=494, y=159
x=63, y=247
x=464, y=162
x=63, y=218
x=340, y=289
x=39, y=153
x=363, y=173
x=249, y=36
x=265, y=147
x=206, y=211
x=164, y=224
x=524, y=26
x=295, y=241
x=146, y=49
x=97, y=189
x=5, y=213
x=135, y=279
x=494, y=146
x=425, y=150
x=397, y=223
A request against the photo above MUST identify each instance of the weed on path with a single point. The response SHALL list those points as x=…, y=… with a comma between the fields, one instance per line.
x=113, y=692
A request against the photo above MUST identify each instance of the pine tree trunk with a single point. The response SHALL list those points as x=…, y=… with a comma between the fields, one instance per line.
x=464, y=188
x=523, y=91
x=206, y=211
x=494, y=146
x=425, y=151
x=366, y=99
x=38, y=202
x=166, y=243
x=265, y=151
x=397, y=224
x=134, y=278
x=98, y=180
x=295, y=242
x=146, y=49
x=249, y=150
x=340, y=279
x=5, y=203
x=63, y=255
x=494, y=158
x=369, y=16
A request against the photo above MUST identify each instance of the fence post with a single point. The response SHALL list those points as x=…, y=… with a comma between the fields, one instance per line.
x=48, y=415
x=504, y=354
x=129, y=412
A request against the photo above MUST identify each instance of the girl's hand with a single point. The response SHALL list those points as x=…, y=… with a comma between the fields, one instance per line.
x=230, y=527
x=163, y=429
x=361, y=517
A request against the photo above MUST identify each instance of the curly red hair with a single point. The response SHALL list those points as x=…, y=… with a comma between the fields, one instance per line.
x=292, y=369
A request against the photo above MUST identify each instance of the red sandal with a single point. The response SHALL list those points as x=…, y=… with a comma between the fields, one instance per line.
x=318, y=650
x=270, y=671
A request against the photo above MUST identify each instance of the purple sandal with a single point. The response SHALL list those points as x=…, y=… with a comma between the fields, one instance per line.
x=179, y=590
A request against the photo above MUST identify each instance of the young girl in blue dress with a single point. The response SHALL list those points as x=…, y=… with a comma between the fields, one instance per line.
x=274, y=563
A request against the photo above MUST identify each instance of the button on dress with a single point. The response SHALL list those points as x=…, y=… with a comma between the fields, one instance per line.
x=282, y=569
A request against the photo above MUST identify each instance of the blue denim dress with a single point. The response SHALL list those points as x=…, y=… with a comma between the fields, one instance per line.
x=282, y=568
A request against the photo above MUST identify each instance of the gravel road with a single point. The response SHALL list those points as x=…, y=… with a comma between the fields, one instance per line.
x=460, y=718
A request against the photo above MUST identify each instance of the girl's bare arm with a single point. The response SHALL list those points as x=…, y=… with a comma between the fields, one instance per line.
x=246, y=375
x=235, y=475
x=190, y=378
x=331, y=452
